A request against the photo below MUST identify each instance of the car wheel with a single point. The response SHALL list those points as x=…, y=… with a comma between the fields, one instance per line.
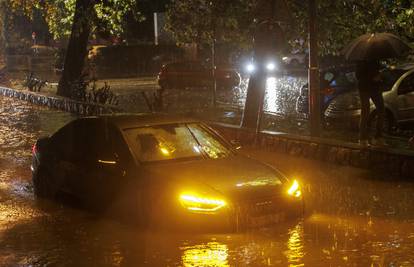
x=42, y=184
x=388, y=125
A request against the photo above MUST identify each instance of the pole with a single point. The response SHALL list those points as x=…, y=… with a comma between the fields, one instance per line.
x=313, y=74
x=213, y=72
x=155, y=28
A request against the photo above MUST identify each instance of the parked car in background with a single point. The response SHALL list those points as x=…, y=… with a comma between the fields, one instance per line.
x=334, y=81
x=398, y=87
x=161, y=169
x=196, y=74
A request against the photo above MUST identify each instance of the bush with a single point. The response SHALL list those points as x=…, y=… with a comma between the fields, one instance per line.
x=34, y=83
x=87, y=91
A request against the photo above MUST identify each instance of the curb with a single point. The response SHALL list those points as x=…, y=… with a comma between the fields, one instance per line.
x=379, y=159
x=60, y=103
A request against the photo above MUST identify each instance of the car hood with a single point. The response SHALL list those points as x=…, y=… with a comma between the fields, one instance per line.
x=236, y=177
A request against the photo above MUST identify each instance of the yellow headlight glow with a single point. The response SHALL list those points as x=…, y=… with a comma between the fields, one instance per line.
x=294, y=190
x=201, y=204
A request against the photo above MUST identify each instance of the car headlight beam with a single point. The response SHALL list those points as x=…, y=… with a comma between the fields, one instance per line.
x=196, y=203
x=294, y=189
x=250, y=67
x=270, y=66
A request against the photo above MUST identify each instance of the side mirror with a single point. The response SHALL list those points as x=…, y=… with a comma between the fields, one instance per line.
x=235, y=144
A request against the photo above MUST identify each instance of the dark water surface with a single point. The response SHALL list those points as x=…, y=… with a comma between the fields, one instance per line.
x=355, y=217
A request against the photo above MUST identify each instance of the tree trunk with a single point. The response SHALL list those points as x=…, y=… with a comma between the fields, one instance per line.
x=77, y=48
x=254, y=99
x=3, y=33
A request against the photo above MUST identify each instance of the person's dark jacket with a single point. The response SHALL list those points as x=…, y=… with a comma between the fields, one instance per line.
x=367, y=73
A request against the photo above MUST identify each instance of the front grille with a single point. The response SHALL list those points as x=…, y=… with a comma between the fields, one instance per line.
x=259, y=207
x=260, y=212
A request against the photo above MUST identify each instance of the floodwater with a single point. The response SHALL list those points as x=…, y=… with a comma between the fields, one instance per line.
x=354, y=217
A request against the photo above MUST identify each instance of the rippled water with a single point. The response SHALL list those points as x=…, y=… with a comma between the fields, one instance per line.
x=355, y=217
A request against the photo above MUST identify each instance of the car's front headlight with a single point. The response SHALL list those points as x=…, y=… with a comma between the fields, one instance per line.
x=250, y=68
x=196, y=203
x=294, y=189
x=270, y=66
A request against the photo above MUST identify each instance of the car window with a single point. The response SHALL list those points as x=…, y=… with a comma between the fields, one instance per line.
x=328, y=76
x=62, y=141
x=407, y=85
x=210, y=145
x=389, y=77
x=119, y=149
x=165, y=142
x=84, y=139
x=344, y=79
x=173, y=142
x=88, y=140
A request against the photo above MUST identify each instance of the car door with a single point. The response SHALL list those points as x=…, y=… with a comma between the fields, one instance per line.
x=405, y=99
x=130, y=184
x=75, y=150
x=101, y=169
x=59, y=158
x=113, y=166
x=84, y=171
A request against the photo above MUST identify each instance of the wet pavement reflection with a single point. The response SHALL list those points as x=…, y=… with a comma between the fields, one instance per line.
x=354, y=217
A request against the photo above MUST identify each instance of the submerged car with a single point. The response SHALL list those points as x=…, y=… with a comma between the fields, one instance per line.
x=196, y=74
x=161, y=169
x=398, y=87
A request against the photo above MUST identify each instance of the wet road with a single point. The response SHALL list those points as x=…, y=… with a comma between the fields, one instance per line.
x=355, y=217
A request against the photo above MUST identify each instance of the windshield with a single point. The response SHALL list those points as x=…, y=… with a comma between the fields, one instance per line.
x=174, y=142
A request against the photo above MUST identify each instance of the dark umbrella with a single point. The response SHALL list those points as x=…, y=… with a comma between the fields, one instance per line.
x=374, y=46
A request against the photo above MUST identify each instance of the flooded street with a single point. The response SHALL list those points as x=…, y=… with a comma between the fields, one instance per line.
x=353, y=217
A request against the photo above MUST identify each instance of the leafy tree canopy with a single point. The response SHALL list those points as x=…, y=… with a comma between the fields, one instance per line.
x=108, y=14
x=203, y=21
x=339, y=22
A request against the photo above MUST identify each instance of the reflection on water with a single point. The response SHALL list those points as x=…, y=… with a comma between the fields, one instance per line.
x=22, y=123
x=271, y=102
x=209, y=254
x=295, y=245
x=281, y=94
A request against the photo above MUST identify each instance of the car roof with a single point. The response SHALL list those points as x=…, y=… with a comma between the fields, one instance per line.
x=126, y=120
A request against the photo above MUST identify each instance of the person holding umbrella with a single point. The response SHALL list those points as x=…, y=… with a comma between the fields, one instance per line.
x=368, y=50
x=368, y=76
